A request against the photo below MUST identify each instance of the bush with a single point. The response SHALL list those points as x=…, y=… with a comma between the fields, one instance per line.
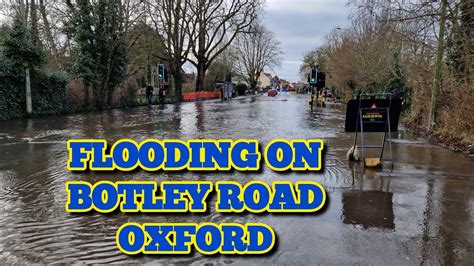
x=49, y=96
x=12, y=98
x=241, y=88
x=126, y=94
x=48, y=92
x=11, y=102
x=188, y=87
x=75, y=92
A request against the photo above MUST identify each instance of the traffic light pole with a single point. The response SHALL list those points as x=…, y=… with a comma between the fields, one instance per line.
x=313, y=78
x=161, y=76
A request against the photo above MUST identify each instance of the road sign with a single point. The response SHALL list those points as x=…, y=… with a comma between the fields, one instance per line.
x=374, y=114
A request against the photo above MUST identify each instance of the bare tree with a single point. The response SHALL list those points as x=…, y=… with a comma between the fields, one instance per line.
x=171, y=21
x=254, y=52
x=217, y=23
x=51, y=44
x=220, y=69
x=432, y=18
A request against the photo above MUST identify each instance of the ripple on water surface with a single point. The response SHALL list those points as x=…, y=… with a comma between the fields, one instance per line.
x=36, y=228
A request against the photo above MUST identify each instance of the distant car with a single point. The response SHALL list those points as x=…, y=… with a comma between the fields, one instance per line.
x=272, y=93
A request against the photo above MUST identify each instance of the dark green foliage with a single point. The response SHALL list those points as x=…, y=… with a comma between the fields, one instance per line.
x=241, y=88
x=396, y=80
x=100, y=57
x=48, y=91
x=49, y=97
x=11, y=97
x=18, y=48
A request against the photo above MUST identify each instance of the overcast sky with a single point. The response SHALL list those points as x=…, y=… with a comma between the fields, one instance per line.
x=300, y=25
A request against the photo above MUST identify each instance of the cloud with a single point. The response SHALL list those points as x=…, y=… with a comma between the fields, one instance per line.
x=301, y=25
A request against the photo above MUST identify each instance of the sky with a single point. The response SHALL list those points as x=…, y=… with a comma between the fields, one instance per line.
x=300, y=26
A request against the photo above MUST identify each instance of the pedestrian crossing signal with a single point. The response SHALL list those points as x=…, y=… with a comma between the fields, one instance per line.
x=161, y=71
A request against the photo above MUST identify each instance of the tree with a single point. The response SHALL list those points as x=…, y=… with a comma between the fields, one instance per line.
x=146, y=50
x=49, y=38
x=215, y=25
x=221, y=68
x=36, y=18
x=315, y=57
x=438, y=66
x=100, y=54
x=459, y=42
x=171, y=21
x=19, y=48
x=24, y=54
x=254, y=52
x=430, y=23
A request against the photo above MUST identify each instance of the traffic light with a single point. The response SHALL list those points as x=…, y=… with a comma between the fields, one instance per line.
x=321, y=80
x=314, y=75
x=166, y=75
x=161, y=71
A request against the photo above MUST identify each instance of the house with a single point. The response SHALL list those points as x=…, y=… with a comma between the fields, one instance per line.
x=265, y=80
x=299, y=85
x=284, y=83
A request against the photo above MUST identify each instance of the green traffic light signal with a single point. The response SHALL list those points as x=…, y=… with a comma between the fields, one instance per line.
x=161, y=71
x=313, y=75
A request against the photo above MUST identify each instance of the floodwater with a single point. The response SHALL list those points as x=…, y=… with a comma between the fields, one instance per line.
x=421, y=211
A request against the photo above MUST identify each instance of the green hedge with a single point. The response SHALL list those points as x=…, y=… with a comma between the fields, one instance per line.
x=11, y=97
x=48, y=92
x=241, y=88
x=49, y=97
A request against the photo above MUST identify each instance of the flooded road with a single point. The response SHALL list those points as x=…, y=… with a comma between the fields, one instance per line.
x=422, y=211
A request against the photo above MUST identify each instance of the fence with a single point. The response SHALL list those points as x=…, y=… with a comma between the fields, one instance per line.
x=201, y=95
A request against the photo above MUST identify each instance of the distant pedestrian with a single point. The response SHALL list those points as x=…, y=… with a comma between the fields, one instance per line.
x=161, y=93
x=149, y=94
x=221, y=88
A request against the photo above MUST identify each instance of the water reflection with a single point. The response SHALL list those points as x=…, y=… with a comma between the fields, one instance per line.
x=421, y=212
x=368, y=209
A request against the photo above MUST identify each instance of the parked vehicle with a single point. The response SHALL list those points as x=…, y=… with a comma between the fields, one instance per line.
x=272, y=93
